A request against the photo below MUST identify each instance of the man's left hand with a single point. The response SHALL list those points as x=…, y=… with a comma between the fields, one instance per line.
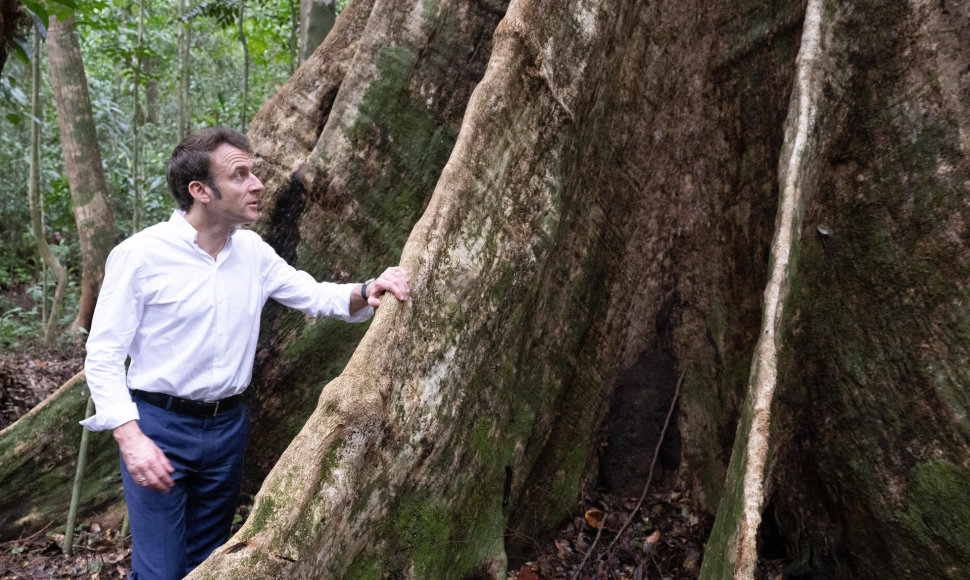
x=393, y=280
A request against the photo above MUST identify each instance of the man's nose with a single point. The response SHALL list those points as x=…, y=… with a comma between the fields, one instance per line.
x=256, y=184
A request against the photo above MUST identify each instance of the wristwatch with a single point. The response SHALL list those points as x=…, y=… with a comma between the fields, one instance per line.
x=363, y=289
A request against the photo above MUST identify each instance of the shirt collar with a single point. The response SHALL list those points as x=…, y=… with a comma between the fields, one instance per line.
x=186, y=231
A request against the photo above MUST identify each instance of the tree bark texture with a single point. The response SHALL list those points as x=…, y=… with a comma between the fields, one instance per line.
x=537, y=281
x=316, y=20
x=10, y=18
x=868, y=472
x=768, y=197
x=350, y=176
x=38, y=459
x=34, y=194
x=82, y=161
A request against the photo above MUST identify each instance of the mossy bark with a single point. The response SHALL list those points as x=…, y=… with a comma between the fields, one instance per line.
x=536, y=281
x=38, y=460
x=871, y=461
x=608, y=195
x=351, y=148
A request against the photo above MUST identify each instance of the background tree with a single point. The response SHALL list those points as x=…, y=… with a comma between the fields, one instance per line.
x=137, y=119
x=316, y=20
x=243, y=116
x=82, y=160
x=34, y=195
x=184, y=74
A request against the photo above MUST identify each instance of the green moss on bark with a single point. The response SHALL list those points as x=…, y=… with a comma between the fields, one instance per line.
x=937, y=507
x=875, y=368
x=38, y=454
x=263, y=513
x=410, y=147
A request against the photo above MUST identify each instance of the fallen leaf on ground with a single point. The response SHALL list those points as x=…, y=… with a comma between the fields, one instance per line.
x=526, y=573
x=580, y=542
x=595, y=518
x=562, y=546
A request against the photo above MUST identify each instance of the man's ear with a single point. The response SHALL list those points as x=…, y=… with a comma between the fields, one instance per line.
x=200, y=191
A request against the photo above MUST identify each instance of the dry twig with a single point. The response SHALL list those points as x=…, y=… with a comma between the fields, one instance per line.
x=653, y=463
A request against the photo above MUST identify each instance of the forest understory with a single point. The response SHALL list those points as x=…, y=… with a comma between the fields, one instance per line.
x=664, y=538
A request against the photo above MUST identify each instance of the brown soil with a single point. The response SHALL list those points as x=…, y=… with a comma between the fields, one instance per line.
x=26, y=381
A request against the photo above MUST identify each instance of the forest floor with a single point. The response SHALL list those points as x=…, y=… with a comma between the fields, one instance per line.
x=663, y=539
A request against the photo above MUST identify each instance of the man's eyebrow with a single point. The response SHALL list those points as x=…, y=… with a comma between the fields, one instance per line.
x=237, y=165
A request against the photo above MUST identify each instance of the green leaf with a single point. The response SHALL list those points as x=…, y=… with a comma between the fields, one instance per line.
x=38, y=11
x=13, y=118
x=21, y=48
x=18, y=95
x=40, y=23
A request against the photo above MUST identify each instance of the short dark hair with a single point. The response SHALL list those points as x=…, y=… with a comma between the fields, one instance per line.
x=190, y=160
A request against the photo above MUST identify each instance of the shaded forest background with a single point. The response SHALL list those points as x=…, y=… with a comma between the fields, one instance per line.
x=141, y=61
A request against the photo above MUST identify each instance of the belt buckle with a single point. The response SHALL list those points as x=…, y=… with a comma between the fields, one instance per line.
x=215, y=411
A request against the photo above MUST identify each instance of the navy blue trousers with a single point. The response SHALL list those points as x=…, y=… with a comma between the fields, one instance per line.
x=173, y=532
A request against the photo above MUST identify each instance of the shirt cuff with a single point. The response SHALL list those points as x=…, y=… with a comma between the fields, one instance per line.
x=117, y=416
x=341, y=304
x=361, y=315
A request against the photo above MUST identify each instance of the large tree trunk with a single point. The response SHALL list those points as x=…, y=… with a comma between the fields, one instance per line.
x=868, y=466
x=82, y=161
x=770, y=199
x=349, y=177
x=541, y=271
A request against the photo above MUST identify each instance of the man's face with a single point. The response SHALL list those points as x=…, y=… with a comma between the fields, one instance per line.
x=235, y=189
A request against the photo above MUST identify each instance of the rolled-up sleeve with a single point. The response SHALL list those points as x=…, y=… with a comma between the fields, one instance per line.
x=115, y=322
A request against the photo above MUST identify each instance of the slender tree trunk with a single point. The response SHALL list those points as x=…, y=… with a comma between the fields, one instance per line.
x=137, y=118
x=184, y=41
x=82, y=161
x=294, y=36
x=244, y=115
x=149, y=66
x=34, y=195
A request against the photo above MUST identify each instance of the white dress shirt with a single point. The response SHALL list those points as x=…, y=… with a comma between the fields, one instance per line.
x=189, y=321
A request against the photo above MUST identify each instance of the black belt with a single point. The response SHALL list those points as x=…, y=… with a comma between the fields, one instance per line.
x=187, y=406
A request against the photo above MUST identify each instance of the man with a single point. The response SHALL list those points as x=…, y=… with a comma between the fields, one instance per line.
x=183, y=299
